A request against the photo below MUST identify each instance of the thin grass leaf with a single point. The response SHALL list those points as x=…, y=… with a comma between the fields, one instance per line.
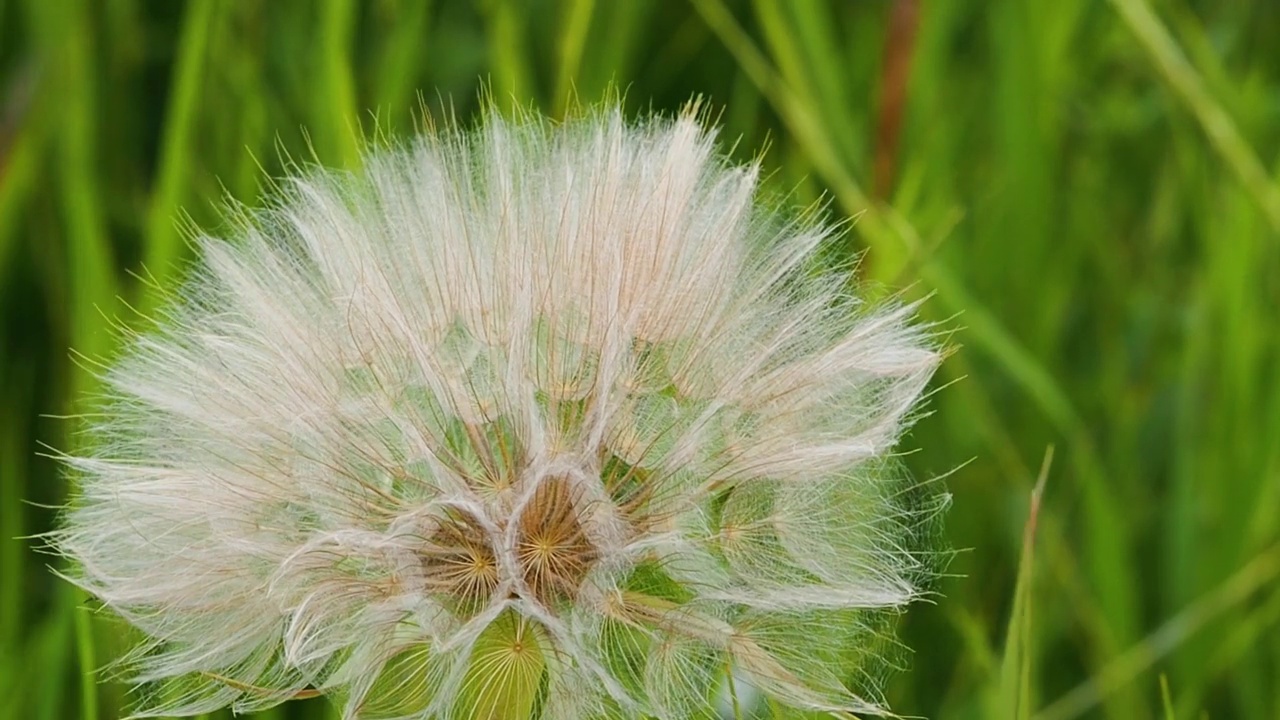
x=1015, y=665
x=510, y=80
x=573, y=41
x=1166, y=700
x=1260, y=571
x=163, y=247
x=1217, y=124
x=335, y=117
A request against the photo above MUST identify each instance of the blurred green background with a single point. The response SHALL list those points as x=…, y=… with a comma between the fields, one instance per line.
x=1087, y=188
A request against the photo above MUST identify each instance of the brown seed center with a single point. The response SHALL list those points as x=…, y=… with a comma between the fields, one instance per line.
x=458, y=561
x=554, y=552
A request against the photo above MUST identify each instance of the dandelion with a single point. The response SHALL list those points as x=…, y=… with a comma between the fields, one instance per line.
x=533, y=421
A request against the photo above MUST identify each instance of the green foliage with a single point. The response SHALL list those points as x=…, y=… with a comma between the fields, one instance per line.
x=1087, y=189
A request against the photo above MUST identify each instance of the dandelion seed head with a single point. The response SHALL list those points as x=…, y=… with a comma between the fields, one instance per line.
x=534, y=420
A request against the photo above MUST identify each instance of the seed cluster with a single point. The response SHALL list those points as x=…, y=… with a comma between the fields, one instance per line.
x=540, y=422
x=553, y=550
x=458, y=560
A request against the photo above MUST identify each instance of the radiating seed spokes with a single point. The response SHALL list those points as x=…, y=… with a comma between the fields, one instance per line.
x=553, y=549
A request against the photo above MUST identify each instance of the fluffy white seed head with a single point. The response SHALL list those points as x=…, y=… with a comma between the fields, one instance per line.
x=532, y=421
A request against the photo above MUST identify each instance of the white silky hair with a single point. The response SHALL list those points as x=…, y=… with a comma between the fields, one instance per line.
x=271, y=461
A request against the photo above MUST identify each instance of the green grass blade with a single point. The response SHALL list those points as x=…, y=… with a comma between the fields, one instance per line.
x=334, y=116
x=1217, y=124
x=511, y=81
x=573, y=41
x=88, y=663
x=396, y=75
x=14, y=454
x=163, y=248
x=1015, y=665
x=1260, y=572
x=1166, y=700
x=19, y=174
x=67, y=34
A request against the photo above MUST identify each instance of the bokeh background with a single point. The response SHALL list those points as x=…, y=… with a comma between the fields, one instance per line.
x=1088, y=190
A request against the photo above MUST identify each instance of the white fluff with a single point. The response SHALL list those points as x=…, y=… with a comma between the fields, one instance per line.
x=574, y=375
